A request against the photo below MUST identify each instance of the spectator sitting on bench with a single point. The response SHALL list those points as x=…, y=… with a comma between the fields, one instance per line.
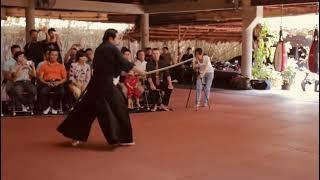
x=159, y=81
x=52, y=75
x=8, y=66
x=131, y=83
x=80, y=74
x=22, y=81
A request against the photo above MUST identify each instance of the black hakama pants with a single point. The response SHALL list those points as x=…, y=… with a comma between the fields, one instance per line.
x=110, y=110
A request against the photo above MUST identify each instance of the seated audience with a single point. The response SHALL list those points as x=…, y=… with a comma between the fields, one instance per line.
x=8, y=66
x=148, y=52
x=70, y=57
x=80, y=74
x=160, y=81
x=141, y=64
x=22, y=72
x=131, y=83
x=52, y=75
x=45, y=60
x=90, y=55
x=126, y=53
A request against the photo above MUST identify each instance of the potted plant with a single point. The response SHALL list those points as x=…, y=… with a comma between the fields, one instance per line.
x=288, y=76
x=263, y=55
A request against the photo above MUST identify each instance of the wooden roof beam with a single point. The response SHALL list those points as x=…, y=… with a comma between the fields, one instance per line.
x=81, y=16
x=79, y=5
x=274, y=2
x=189, y=6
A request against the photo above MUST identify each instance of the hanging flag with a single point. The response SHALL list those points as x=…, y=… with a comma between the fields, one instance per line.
x=313, y=62
x=280, y=56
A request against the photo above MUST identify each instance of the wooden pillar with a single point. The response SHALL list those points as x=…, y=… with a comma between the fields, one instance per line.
x=179, y=39
x=3, y=14
x=144, y=29
x=251, y=15
x=30, y=18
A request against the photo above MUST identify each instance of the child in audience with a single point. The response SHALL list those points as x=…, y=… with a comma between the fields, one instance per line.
x=131, y=82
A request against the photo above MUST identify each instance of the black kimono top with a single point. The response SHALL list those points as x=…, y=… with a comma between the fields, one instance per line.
x=107, y=64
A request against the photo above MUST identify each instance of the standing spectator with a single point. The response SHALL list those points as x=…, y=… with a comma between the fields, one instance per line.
x=53, y=41
x=160, y=81
x=22, y=81
x=8, y=66
x=33, y=50
x=167, y=56
x=186, y=69
x=52, y=75
x=80, y=74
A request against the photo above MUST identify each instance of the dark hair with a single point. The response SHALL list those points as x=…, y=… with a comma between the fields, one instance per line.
x=14, y=47
x=155, y=49
x=148, y=48
x=198, y=51
x=109, y=33
x=189, y=48
x=51, y=29
x=139, y=51
x=32, y=30
x=125, y=49
x=165, y=48
x=54, y=49
x=88, y=49
x=80, y=53
x=17, y=54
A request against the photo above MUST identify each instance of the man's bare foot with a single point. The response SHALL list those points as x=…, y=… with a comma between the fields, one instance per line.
x=164, y=107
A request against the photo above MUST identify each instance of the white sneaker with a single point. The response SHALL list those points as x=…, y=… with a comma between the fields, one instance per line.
x=46, y=111
x=53, y=111
x=154, y=109
x=127, y=144
x=24, y=108
x=75, y=143
x=205, y=105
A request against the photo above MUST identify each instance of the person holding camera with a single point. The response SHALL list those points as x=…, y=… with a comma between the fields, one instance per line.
x=22, y=82
x=204, y=74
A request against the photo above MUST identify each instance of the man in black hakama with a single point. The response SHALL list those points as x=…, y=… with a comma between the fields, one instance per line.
x=102, y=99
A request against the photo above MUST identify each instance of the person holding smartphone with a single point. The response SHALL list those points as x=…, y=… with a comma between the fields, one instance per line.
x=22, y=72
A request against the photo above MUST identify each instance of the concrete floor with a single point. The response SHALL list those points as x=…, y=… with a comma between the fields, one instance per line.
x=247, y=135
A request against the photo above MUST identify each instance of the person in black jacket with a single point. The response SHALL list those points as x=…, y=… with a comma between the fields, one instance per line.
x=33, y=50
x=160, y=81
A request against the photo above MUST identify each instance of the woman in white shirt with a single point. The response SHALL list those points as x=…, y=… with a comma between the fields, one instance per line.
x=205, y=73
x=141, y=64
